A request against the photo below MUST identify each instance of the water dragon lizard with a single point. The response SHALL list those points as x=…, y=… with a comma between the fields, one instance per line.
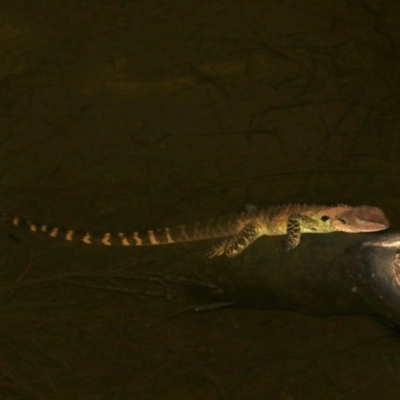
x=238, y=230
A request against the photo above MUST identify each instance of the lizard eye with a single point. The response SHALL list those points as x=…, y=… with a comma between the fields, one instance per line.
x=324, y=218
x=343, y=221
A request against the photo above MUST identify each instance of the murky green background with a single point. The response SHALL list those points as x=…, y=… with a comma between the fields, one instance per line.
x=137, y=114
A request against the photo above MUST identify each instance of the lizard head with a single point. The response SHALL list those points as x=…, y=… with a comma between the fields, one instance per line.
x=359, y=219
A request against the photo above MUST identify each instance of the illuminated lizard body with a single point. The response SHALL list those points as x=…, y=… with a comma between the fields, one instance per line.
x=238, y=230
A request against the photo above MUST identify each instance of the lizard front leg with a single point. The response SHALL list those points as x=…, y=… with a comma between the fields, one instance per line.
x=293, y=229
x=234, y=245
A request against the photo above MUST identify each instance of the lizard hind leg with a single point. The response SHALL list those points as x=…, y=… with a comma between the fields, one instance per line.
x=234, y=245
x=217, y=250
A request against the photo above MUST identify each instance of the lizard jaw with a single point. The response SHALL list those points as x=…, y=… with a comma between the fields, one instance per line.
x=361, y=219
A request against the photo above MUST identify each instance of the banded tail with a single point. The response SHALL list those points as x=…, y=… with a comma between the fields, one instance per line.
x=212, y=229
